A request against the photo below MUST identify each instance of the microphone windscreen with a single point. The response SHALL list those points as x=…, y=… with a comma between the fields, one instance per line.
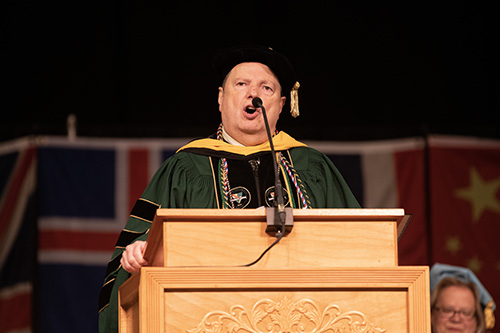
x=257, y=102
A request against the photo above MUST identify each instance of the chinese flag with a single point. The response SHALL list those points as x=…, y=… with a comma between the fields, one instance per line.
x=464, y=180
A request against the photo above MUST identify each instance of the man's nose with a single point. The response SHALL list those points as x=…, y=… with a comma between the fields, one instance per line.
x=252, y=92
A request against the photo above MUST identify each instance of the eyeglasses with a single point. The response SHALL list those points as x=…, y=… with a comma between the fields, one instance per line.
x=449, y=312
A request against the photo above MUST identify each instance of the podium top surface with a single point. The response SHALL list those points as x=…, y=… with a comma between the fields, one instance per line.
x=359, y=214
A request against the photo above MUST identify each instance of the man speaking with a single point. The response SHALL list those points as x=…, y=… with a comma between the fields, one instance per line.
x=232, y=169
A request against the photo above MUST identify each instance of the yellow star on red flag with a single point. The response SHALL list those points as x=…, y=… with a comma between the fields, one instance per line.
x=453, y=244
x=481, y=194
x=475, y=264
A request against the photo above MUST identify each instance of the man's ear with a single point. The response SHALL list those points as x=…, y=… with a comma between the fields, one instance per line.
x=282, y=102
x=221, y=93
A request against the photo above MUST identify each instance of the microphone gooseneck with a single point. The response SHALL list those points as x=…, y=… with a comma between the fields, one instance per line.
x=280, y=216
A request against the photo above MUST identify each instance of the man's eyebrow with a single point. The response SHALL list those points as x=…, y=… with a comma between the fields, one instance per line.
x=267, y=81
x=240, y=78
x=270, y=82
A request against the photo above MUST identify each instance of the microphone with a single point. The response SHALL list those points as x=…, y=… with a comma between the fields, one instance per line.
x=257, y=102
x=280, y=215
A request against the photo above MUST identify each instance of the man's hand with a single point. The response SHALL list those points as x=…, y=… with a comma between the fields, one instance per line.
x=133, y=257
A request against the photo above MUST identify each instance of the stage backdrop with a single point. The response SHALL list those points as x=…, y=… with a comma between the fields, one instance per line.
x=63, y=203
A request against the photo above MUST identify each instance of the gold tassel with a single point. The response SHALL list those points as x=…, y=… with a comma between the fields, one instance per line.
x=489, y=317
x=294, y=100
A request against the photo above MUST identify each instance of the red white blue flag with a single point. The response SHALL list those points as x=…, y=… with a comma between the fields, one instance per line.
x=86, y=191
x=17, y=235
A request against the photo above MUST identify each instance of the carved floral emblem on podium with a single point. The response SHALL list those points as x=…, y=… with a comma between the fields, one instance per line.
x=286, y=316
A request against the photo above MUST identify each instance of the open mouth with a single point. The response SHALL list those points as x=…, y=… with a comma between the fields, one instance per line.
x=250, y=109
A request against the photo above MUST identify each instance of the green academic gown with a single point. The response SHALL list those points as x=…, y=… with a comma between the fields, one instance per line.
x=193, y=178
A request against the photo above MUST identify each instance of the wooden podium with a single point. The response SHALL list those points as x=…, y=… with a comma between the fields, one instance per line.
x=337, y=271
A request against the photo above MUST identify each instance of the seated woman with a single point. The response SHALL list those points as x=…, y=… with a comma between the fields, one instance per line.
x=459, y=302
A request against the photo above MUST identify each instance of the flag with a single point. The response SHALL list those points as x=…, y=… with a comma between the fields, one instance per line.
x=17, y=235
x=465, y=206
x=86, y=190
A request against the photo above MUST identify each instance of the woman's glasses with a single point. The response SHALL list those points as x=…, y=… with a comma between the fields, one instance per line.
x=449, y=312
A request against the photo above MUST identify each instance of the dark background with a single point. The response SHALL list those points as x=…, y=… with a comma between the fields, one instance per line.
x=368, y=70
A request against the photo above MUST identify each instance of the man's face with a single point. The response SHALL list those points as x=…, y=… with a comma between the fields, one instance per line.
x=452, y=300
x=246, y=81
